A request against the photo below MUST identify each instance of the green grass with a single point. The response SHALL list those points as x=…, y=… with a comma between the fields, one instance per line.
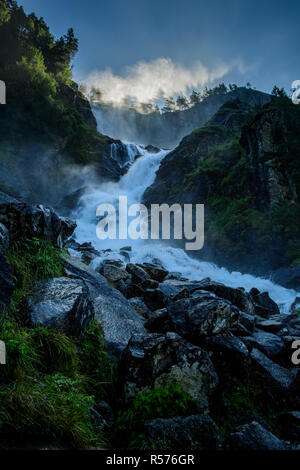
x=55, y=407
x=94, y=362
x=163, y=402
x=246, y=398
x=50, y=383
x=31, y=261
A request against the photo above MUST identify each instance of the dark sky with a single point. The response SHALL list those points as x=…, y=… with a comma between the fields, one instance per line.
x=261, y=35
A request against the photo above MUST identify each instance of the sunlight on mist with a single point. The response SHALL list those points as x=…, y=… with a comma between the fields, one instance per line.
x=147, y=82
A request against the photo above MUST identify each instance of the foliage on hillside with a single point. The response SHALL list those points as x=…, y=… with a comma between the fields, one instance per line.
x=42, y=100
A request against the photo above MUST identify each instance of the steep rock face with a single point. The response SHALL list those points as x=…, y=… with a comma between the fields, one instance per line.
x=61, y=303
x=243, y=166
x=155, y=360
x=25, y=220
x=117, y=317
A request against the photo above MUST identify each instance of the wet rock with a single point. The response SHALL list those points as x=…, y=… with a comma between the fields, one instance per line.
x=193, y=433
x=253, y=436
x=151, y=149
x=149, y=284
x=268, y=343
x=140, y=307
x=134, y=290
x=174, y=275
x=117, y=317
x=156, y=272
x=248, y=322
x=155, y=299
x=60, y=303
x=25, y=220
x=271, y=374
x=237, y=297
x=114, y=273
x=172, y=287
x=125, y=255
x=230, y=357
x=158, y=321
x=271, y=325
x=155, y=360
x=114, y=262
x=138, y=273
x=88, y=252
x=183, y=294
x=227, y=345
x=264, y=305
x=202, y=315
x=283, y=324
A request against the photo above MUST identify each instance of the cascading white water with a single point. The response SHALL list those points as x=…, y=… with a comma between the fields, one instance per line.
x=133, y=184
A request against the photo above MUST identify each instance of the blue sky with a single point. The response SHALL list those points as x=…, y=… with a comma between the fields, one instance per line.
x=256, y=40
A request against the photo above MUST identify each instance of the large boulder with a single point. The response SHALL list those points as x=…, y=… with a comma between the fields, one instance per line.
x=202, y=315
x=114, y=273
x=119, y=320
x=193, y=433
x=60, y=303
x=155, y=271
x=25, y=220
x=155, y=360
x=264, y=306
x=253, y=436
x=270, y=344
x=237, y=297
x=138, y=274
x=279, y=381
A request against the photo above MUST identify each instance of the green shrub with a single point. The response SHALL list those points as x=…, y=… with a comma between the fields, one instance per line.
x=163, y=402
x=32, y=260
x=243, y=399
x=21, y=355
x=55, y=351
x=94, y=362
x=54, y=407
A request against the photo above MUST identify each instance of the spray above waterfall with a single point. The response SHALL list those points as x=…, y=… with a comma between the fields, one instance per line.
x=147, y=82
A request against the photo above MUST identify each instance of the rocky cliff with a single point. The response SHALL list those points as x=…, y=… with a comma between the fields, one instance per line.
x=243, y=165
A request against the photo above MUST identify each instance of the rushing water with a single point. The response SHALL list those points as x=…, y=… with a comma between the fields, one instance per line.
x=140, y=176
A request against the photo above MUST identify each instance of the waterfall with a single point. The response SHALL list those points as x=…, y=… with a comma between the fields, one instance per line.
x=123, y=152
x=133, y=184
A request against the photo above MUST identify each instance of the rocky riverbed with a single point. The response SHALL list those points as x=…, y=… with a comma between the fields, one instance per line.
x=228, y=349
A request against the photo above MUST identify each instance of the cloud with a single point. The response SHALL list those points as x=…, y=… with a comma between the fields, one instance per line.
x=151, y=81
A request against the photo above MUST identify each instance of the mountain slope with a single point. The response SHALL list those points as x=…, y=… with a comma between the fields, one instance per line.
x=244, y=166
x=167, y=129
x=47, y=128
